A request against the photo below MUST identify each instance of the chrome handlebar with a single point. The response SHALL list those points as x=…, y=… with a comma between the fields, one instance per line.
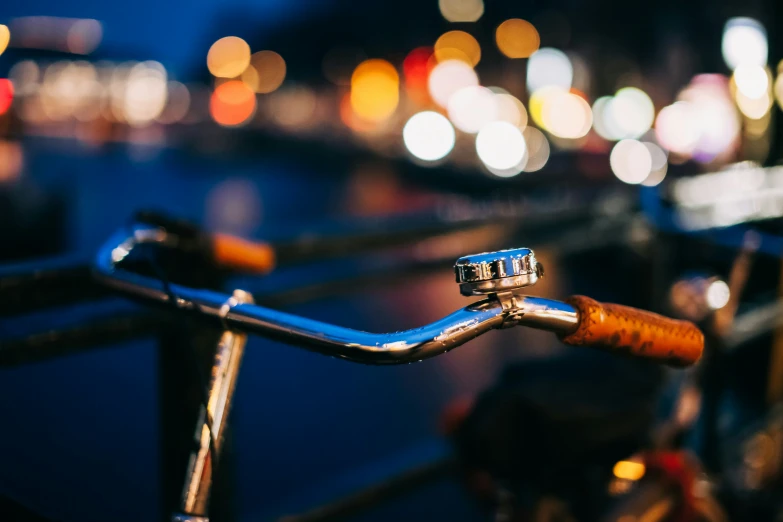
x=502, y=308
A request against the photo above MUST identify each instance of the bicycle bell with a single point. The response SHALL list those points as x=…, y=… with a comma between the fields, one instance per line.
x=496, y=272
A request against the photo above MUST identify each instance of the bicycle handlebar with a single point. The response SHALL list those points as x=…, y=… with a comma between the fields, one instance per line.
x=652, y=336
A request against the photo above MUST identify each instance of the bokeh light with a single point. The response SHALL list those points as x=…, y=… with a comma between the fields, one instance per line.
x=676, y=129
x=510, y=109
x=517, y=38
x=603, y=121
x=6, y=94
x=232, y=103
x=470, y=108
x=458, y=45
x=11, y=160
x=751, y=80
x=265, y=73
x=632, y=111
x=84, y=36
x=549, y=67
x=178, y=104
x=228, y=57
x=145, y=93
x=630, y=161
x=416, y=68
x=501, y=147
x=375, y=90
x=428, y=136
x=744, y=43
x=293, y=106
x=658, y=165
x=5, y=37
x=754, y=108
x=448, y=77
x=461, y=10
x=566, y=115
x=537, y=149
x=718, y=294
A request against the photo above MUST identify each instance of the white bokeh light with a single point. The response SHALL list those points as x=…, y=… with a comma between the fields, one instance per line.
x=449, y=77
x=630, y=161
x=549, y=67
x=631, y=111
x=675, y=128
x=751, y=80
x=744, y=43
x=537, y=149
x=501, y=146
x=658, y=165
x=428, y=136
x=470, y=108
x=567, y=115
x=718, y=295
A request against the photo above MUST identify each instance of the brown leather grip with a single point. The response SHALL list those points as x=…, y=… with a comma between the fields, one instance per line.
x=242, y=255
x=638, y=333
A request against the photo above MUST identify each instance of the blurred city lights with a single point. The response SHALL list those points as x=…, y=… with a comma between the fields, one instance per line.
x=566, y=115
x=501, y=147
x=632, y=111
x=540, y=99
x=510, y=109
x=517, y=38
x=751, y=80
x=428, y=136
x=461, y=10
x=754, y=108
x=375, y=90
x=416, y=68
x=470, y=108
x=603, y=120
x=718, y=294
x=744, y=43
x=6, y=94
x=11, y=160
x=448, y=77
x=84, y=36
x=25, y=76
x=265, y=73
x=675, y=128
x=145, y=93
x=549, y=67
x=778, y=88
x=629, y=470
x=177, y=104
x=630, y=161
x=5, y=37
x=658, y=165
x=232, y=103
x=458, y=45
x=537, y=149
x=228, y=57
x=293, y=106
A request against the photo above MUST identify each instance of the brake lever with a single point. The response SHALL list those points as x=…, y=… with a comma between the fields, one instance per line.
x=499, y=276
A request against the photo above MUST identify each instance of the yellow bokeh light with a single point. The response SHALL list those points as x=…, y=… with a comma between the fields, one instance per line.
x=228, y=57
x=517, y=38
x=629, y=470
x=5, y=37
x=461, y=10
x=265, y=73
x=375, y=90
x=458, y=45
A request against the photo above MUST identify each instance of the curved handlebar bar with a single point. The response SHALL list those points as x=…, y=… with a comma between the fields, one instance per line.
x=496, y=311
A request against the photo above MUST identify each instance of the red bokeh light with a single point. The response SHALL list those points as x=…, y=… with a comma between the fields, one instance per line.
x=6, y=94
x=416, y=67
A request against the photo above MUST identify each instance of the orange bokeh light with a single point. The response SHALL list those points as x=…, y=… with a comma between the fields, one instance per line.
x=232, y=103
x=517, y=38
x=375, y=90
x=458, y=45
